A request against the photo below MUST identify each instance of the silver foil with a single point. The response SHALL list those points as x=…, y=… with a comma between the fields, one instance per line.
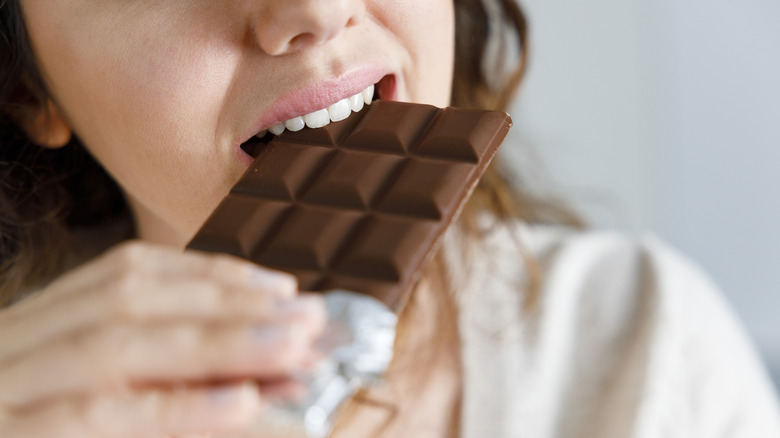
x=357, y=347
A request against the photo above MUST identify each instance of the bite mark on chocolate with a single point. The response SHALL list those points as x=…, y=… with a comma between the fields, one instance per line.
x=359, y=204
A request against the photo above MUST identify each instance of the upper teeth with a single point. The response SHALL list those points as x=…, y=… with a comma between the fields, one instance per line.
x=334, y=113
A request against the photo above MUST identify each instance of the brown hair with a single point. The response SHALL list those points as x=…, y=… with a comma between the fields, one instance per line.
x=47, y=194
x=487, y=76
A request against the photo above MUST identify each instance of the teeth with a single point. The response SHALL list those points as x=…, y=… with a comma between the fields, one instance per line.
x=368, y=95
x=339, y=110
x=334, y=113
x=295, y=124
x=277, y=129
x=317, y=119
x=356, y=102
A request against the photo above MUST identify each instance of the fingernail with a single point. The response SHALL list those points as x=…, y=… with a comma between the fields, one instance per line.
x=281, y=284
x=224, y=395
x=243, y=398
x=301, y=304
x=270, y=334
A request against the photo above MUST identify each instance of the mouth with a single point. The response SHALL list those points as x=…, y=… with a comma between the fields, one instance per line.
x=337, y=111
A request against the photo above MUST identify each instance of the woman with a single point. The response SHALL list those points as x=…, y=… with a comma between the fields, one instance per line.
x=560, y=334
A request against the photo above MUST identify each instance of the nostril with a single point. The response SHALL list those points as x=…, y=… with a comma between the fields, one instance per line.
x=303, y=40
x=287, y=26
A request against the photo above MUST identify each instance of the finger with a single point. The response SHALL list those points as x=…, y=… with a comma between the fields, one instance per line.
x=143, y=413
x=285, y=391
x=119, y=355
x=240, y=290
x=144, y=258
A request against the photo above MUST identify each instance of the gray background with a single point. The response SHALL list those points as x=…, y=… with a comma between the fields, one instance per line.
x=664, y=116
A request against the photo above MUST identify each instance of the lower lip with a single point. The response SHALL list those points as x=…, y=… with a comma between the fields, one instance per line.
x=386, y=89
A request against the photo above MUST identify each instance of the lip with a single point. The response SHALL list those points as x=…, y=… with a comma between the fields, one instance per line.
x=318, y=95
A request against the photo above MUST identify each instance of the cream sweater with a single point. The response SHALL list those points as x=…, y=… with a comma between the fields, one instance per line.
x=629, y=340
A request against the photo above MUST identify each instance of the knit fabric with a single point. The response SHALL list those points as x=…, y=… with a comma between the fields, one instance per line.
x=629, y=339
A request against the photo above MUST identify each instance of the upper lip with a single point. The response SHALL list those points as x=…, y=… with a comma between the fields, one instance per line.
x=316, y=96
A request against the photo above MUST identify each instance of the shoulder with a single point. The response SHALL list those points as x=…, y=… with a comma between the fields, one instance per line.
x=615, y=272
x=628, y=336
x=588, y=278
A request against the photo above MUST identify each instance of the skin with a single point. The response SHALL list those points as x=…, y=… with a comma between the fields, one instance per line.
x=159, y=91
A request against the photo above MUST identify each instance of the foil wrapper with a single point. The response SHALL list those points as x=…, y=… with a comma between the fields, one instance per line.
x=357, y=348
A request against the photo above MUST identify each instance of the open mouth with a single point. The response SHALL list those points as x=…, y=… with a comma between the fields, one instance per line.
x=317, y=119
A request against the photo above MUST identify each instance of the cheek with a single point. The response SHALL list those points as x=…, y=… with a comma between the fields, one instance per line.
x=426, y=29
x=147, y=106
x=136, y=86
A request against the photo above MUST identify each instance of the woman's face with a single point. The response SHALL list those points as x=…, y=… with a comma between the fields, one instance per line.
x=163, y=92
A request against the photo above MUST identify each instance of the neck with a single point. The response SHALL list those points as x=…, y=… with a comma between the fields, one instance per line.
x=152, y=228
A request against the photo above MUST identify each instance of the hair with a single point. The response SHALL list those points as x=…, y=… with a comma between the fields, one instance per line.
x=488, y=76
x=47, y=195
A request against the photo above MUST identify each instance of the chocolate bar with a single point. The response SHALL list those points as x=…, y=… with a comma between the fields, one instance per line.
x=359, y=204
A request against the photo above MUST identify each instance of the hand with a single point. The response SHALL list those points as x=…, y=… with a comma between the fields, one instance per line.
x=147, y=341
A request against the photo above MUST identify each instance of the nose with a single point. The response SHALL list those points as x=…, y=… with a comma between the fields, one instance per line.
x=288, y=26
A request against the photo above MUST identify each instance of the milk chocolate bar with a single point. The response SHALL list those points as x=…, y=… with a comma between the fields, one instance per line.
x=360, y=204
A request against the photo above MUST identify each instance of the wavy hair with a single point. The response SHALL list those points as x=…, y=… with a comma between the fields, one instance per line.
x=47, y=195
